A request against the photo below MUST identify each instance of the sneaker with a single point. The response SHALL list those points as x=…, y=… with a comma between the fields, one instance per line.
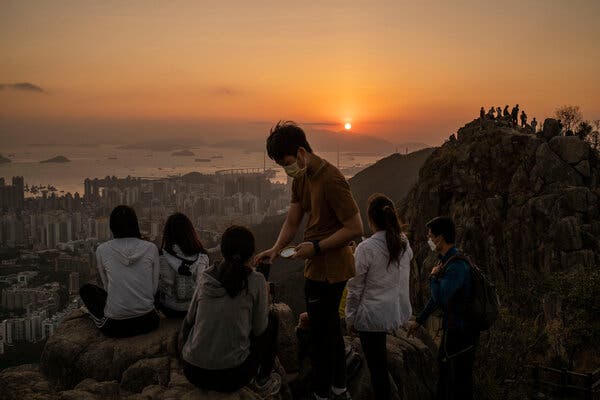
x=345, y=395
x=269, y=388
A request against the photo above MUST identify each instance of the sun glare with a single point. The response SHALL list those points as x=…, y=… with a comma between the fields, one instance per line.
x=348, y=126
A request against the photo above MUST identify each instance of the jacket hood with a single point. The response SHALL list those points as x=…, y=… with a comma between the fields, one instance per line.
x=129, y=250
x=175, y=262
x=210, y=285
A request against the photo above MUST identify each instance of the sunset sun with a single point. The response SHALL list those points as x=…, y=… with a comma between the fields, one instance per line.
x=348, y=126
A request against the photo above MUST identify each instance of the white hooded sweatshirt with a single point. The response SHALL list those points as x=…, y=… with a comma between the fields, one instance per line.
x=378, y=296
x=129, y=270
x=169, y=266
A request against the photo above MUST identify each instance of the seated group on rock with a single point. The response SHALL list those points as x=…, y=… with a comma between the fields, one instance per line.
x=228, y=335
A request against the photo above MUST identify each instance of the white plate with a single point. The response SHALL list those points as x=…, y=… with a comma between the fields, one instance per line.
x=288, y=252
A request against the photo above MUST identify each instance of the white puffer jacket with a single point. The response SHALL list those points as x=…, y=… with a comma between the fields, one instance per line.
x=378, y=297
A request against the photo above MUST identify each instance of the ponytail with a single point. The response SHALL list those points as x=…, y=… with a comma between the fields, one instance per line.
x=237, y=246
x=383, y=215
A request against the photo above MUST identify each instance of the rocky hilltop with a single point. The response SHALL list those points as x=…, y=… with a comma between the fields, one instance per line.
x=527, y=209
x=521, y=201
x=79, y=362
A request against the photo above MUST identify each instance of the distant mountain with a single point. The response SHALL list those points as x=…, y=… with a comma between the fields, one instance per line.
x=57, y=159
x=183, y=153
x=4, y=160
x=393, y=176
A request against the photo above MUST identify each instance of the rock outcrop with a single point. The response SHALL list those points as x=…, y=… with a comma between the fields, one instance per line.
x=523, y=203
x=79, y=362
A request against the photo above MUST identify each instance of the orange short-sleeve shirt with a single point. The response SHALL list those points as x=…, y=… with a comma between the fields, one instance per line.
x=327, y=199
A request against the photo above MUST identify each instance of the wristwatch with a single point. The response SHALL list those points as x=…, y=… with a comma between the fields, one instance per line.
x=316, y=246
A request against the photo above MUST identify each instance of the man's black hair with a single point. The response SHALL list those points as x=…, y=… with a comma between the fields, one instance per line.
x=124, y=223
x=285, y=138
x=443, y=226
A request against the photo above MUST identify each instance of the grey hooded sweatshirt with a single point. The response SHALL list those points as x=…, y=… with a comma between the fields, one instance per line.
x=129, y=270
x=221, y=325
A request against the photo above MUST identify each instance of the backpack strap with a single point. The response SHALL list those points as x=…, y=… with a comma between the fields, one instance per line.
x=184, y=268
x=456, y=257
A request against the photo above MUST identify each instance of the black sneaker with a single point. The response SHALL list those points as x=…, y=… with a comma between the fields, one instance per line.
x=269, y=388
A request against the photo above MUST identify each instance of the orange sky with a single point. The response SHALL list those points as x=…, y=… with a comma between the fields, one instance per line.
x=400, y=70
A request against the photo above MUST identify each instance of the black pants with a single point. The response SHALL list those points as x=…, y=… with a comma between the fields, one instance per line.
x=328, y=357
x=259, y=363
x=374, y=347
x=94, y=299
x=456, y=357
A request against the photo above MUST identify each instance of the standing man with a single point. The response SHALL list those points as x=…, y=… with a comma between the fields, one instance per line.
x=515, y=115
x=320, y=190
x=523, y=119
x=451, y=285
x=534, y=125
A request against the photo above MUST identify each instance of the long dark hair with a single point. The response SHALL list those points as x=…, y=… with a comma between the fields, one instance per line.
x=124, y=223
x=382, y=212
x=237, y=246
x=180, y=231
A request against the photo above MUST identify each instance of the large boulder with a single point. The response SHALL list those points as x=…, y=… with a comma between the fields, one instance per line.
x=550, y=129
x=78, y=350
x=80, y=362
x=571, y=149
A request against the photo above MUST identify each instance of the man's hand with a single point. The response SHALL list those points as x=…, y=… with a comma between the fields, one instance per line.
x=305, y=250
x=412, y=328
x=436, y=270
x=351, y=330
x=267, y=256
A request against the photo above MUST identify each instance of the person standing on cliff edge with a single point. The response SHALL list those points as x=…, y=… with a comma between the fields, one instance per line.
x=451, y=285
x=320, y=190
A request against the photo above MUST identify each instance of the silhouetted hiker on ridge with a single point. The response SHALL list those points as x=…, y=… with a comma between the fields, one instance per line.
x=515, y=115
x=523, y=119
x=490, y=113
x=534, y=124
x=482, y=113
x=506, y=113
x=499, y=112
x=320, y=190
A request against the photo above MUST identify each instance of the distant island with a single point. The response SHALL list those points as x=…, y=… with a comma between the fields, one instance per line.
x=4, y=160
x=203, y=160
x=184, y=153
x=57, y=159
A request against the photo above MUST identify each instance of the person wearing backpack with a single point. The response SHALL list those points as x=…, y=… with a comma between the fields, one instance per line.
x=182, y=260
x=451, y=284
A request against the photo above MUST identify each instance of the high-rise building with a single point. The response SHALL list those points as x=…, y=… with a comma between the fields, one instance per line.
x=74, y=283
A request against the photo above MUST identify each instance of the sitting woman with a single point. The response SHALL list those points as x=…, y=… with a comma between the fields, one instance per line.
x=128, y=267
x=229, y=336
x=182, y=260
x=378, y=299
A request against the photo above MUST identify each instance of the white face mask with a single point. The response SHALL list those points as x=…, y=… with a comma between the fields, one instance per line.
x=431, y=244
x=293, y=170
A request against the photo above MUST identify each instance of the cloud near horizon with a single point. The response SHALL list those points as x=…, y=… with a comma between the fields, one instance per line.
x=22, y=86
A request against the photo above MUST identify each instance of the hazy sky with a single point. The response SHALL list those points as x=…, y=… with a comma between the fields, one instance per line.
x=401, y=70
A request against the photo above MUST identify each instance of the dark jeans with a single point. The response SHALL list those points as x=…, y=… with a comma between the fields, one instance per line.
x=456, y=357
x=375, y=350
x=328, y=357
x=94, y=298
x=258, y=364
